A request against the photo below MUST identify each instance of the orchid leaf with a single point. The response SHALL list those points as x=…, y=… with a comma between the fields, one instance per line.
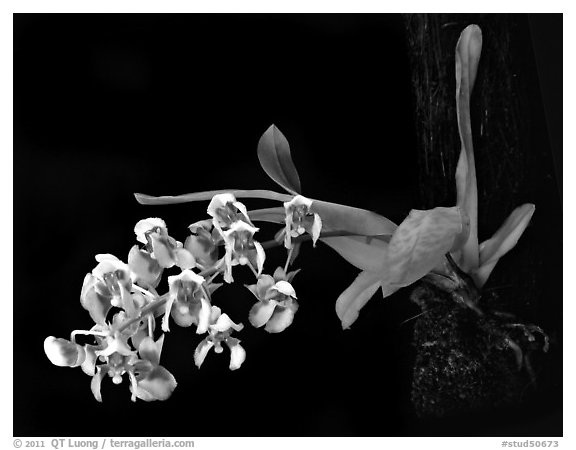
x=335, y=217
x=468, y=51
x=275, y=159
x=273, y=215
x=504, y=240
x=207, y=195
x=363, y=252
x=353, y=220
x=420, y=243
x=356, y=296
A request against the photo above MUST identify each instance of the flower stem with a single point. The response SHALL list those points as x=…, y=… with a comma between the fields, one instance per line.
x=288, y=258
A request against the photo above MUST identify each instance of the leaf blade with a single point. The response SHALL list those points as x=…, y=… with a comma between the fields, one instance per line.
x=354, y=298
x=468, y=51
x=420, y=243
x=275, y=159
x=504, y=240
x=144, y=199
x=363, y=252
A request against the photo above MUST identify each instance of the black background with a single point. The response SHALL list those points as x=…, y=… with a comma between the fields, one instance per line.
x=109, y=105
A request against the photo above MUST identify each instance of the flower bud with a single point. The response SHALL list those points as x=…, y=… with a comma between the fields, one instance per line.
x=63, y=353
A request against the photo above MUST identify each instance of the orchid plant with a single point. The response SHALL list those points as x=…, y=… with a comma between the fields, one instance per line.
x=440, y=245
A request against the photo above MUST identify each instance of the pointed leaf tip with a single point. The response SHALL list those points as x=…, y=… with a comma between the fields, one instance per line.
x=353, y=299
x=275, y=159
x=504, y=240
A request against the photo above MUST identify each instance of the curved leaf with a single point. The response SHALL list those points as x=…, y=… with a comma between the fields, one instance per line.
x=273, y=215
x=356, y=296
x=207, y=195
x=275, y=159
x=363, y=252
x=420, y=243
x=352, y=220
x=468, y=51
x=504, y=240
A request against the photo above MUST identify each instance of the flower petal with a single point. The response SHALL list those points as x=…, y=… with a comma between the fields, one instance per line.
x=224, y=323
x=146, y=225
x=260, y=257
x=151, y=350
x=97, y=381
x=108, y=263
x=201, y=351
x=203, y=250
x=145, y=269
x=316, y=229
x=89, y=364
x=162, y=252
x=261, y=312
x=279, y=274
x=168, y=309
x=264, y=283
x=184, y=259
x=240, y=206
x=157, y=385
x=237, y=353
x=284, y=288
x=63, y=353
x=282, y=318
x=96, y=303
x=203, y=317
x=218, y=201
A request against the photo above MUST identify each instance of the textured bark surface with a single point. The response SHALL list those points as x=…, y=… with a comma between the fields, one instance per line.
x=460, y=364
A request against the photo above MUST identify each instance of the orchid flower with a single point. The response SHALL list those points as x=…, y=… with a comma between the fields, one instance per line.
x=220, y=328
x=276, y=304
x=108, y=285
x=298, y=216
x=203, y=243
x=148, y=379
x=225, y=210
x=166, y=250
x=241, y=248
x=188, y=302
x=418, y=246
